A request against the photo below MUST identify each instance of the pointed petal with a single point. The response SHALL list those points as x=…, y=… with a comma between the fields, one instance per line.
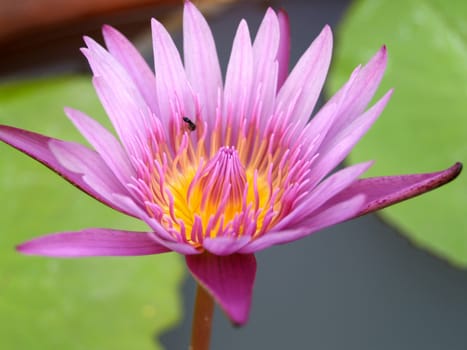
x=127, y=55
x=266, y=41
x=43, y=149
x=325, y=217
x=81, y=160
x=104, y=143
x=283, y=53
x=265, y=68
x=173, y=89
x=229, y=279
x=326, y=190
x=201, y=60
x=119, y=96
x=92, y=242
x=306, y=80
x=333, y=151
x=360, y=92
x=316, y=131
x=239, y=77
x=381, y=192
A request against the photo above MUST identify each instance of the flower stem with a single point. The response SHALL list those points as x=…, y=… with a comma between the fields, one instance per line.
x=202, y=320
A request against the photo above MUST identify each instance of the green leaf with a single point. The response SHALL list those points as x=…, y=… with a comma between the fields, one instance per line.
x=45, y=303
x=424, y=127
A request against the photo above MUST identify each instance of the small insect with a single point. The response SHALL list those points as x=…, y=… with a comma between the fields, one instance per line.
x=190, y=124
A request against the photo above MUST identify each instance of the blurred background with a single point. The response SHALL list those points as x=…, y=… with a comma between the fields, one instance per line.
x=395, y=281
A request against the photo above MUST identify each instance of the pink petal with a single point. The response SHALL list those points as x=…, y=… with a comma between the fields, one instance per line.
x=40, y=148
x=134, y=64
x=316, y=131
x=324, y=217
x=265, y=67
x=381, y=192
x=81, y=160
x=173, y=88
x=306, y=80
x=105, y=144
x=159, y=234
x=122, y=108
x=224, y=245
x=179, y=247
x=283, y=53
x=326, y=190
x=229, y=279
x=333, y=151
x=119, y=95
x=201, y=61
x=239, y=77
x=360, y=92
x=92, y=242
x=266, y=41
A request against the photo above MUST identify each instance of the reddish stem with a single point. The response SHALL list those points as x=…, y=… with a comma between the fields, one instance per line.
x=202, y=320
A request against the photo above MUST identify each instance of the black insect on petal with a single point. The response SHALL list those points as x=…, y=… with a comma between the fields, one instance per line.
x=190, y=124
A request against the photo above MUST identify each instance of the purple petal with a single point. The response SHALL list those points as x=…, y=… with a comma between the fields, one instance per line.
x=381, y=192
x=179, y=247
x=104, y=143
x=81, y=160
x=324, y=217
x=326, y=190
x=316, y=131
x=229, y=279
x=119, y=96
x=92, y=242
x=173, y=89
x=265, y=67
x=159, y=234
x=306, y=80
x=40, y=148
x=266, y=41
x=224, y=245
x=201, y=61
x=122, y=109
x=239, y=77
x=283, y=53
x=134, y=64
x=360, y=92
x=332, y=152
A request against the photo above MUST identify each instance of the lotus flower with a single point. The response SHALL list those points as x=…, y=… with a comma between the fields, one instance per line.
x=219, y=170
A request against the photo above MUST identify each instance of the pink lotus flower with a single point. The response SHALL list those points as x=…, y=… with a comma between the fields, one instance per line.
x=219, y=171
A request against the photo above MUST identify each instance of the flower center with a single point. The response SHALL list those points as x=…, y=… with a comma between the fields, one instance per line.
x=232, y=185
x=219, y=198
x=219, y=186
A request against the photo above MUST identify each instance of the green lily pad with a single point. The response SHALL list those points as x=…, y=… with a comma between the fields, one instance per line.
x=424, y=127
x=45, y=303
